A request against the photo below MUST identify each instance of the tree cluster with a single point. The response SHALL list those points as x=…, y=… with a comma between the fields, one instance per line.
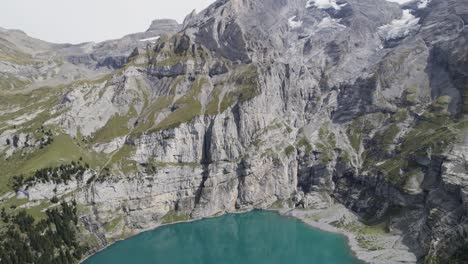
x=60, y=174
x=47, y=138
x=51, y=240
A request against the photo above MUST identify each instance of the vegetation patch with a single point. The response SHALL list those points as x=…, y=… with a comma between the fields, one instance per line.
x=289, y=150
x=9, y=53
x=122, y=160
x=100, y=80
x=441, y=104
x=280, y=204
x=345, y=157
x=62, y=150
x=366, y=235
x=326, y=145
x=400, y=116
x=387, y=137
x=356, y=132
x=147, y=121
x=246, y=88
x=10, y=82
x=329, y=138
x=28, y=103
x=465, y=101
x=116, y=127
x=188, y=107
x=174, y=217
x=213, y=106
x=304, y=143
x=268, y=153
x=431, y=135
x=410, y=95
x=172, y=61
x=111, y=226
x=434, y=134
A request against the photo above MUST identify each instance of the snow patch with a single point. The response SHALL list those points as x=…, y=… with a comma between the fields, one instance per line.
x=400, y=28
x=401, y=2
x=423, y=4
x=324, y=4
x=294, y=24
x=152, y=39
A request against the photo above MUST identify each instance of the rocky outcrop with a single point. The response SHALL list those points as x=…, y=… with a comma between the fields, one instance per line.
x=294, y=102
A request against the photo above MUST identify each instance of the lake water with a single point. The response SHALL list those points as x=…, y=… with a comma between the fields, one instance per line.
x=257, y=237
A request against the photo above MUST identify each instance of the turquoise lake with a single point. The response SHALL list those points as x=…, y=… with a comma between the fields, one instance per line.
x=257, y=237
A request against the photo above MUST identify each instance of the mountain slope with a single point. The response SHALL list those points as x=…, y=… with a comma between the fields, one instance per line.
x=252, y=104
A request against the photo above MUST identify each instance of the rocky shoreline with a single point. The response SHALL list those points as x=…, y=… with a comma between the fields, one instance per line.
x=369, y=244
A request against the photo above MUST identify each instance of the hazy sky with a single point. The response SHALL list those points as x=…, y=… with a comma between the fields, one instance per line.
x=76, y=21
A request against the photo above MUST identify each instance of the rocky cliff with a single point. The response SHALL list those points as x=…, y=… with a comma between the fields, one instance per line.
x=254, y=103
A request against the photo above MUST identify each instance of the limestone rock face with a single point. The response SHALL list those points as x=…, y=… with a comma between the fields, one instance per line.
x=259, y=102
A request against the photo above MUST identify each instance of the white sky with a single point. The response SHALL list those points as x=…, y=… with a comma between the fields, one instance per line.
x=76, y=21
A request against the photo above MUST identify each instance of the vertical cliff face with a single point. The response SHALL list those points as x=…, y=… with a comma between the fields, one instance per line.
x=292, y=102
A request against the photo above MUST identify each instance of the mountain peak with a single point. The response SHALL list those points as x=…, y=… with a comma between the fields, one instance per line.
x=161, y=24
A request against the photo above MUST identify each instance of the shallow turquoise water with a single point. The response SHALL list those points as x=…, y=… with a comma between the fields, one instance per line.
x=252, y=238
